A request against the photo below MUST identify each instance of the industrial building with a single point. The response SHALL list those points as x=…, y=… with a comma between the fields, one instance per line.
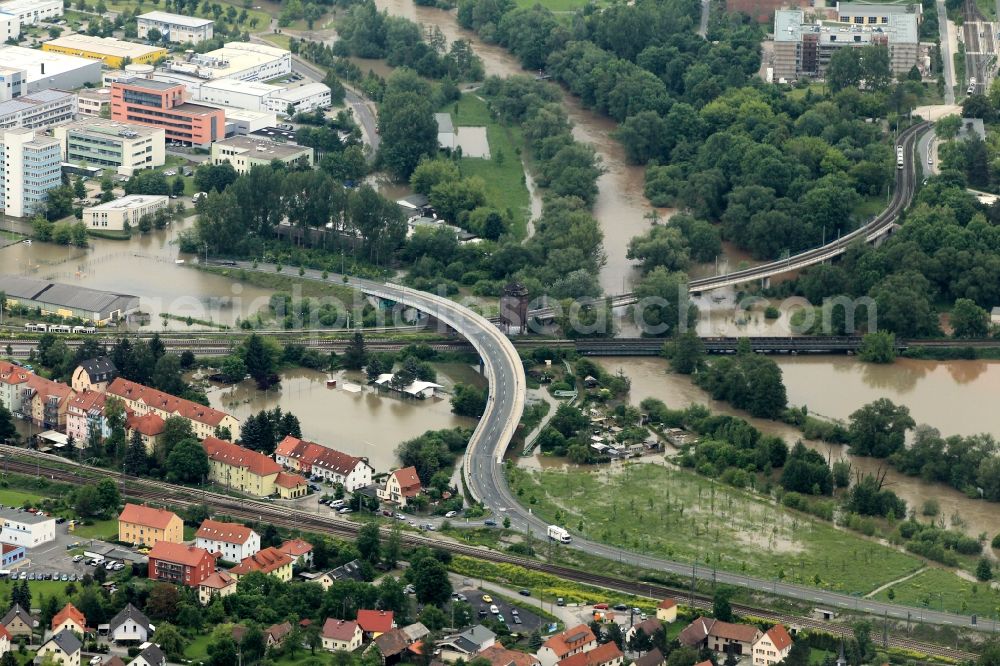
x=41, y=109
x=31, y=12
x=159, y=104
x=240, y=122
x=804, y=49
x=257, y=96
x=857, y=13
x=175, y=27
x=66, y=300
x=113, y=215
x=31, y=70
x=23, y=528
x=244, y=153
x=10, y=26
x=111, y=144
x=29, y=168
x=113, y=52
x=93, y=101
x=242, y=61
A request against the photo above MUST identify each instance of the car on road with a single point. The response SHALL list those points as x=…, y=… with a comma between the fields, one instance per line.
x=60, y=520
x=77, y=558
x=524, y=593
x=560, y=602
x=451, y=514
x=345, y=509
x=409, y=589
x=490, y=523
x=487, y=599
x=930, y=159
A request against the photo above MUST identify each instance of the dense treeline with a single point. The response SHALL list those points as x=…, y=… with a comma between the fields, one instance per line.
x=948, y=249
x=747, y=381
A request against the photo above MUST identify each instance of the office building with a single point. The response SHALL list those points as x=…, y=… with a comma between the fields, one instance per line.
x=240, y=122
x=41, y=109
x=113, y=215
x=94, y=102
x=29, y=168
x=26, y=529
x=31, y=12
x=111, y=144
x=160, y=104
x=804, y=49
x=242, y=61
x=244, y=153
x=10, y=26
x=257, y=96
x=113, y=52
x=39, y=70
x=175, y=27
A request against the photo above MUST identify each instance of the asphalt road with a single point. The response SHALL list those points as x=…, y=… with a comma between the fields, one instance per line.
x=946, y=53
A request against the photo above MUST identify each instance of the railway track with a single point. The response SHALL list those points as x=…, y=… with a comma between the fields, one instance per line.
x=286, y=516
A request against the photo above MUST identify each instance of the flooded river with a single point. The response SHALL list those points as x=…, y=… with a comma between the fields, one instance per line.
x=366, y=423
x=144, y=266
x=836, y=386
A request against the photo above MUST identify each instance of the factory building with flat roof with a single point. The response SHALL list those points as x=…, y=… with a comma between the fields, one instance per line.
x=31, y=12
x=68, y=300
x=242, y=61
x=175, y=27
x=31, y=70
x=113, y=52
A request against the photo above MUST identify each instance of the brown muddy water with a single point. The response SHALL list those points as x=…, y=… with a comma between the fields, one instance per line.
x=368, y=423
x=952, y=397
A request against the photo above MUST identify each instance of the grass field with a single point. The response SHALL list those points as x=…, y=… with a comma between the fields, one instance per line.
x=263, y=18
x=868, y=207
x=197, y=649
x=941, y=589
x=281, y=41
x=10, y=497
x=557, y=5
x=39, y=589
x=101, y=529
x=681, y=516
x=504, y=176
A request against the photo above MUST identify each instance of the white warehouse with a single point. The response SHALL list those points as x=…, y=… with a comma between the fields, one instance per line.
x=32, y=11
x=23, y=528
x=241, y=61
x=257, y=96
x=175, y=27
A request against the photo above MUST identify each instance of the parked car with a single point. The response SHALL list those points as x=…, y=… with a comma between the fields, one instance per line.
x=490, y=523
x=315, y=487
x=345, y=509
x=169, y=172
x=336, y=504
x=517, y=619
x=487, y=599
x=514, y=612
x=621, y=607
x=400, y=516
x=64, y=577
x=560, y=602
x=451, y=514
x=525, y=593
x=494, y=609
x=77, y=558
x=482, y=612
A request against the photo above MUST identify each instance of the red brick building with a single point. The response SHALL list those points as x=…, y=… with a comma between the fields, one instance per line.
x=180, y=564
x=162, y=104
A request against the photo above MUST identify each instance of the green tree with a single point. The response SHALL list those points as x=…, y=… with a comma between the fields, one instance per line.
x=430, y=581
x=663, y=302
x=259, y=361
x=879, y=428
x=984, y=569
x=878, y=347
x=79, y=189
x=169, y=639
x=233, y=369
x=369, y=542
x=7, y=429
x=686, y=352
x=432, y=172
x=968, y=320
x=721, y=608
x=947, y=127
x=356, y=355
x=136, y=459
x=406, y=123
x=187, y=462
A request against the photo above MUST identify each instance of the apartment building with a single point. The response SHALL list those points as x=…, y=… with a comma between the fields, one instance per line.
x=144, y=400
x=175, y=27
x=146, y=525
x=180, y=564
x=161, y=104
x=329, y=464
x=114, y=215
x=803, y=48
x=30, y=166
x=114, y=53
x=232, y=540
x=125, y=147
x=249, y=471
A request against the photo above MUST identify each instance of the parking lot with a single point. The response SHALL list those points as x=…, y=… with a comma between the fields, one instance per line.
x=56, y=558
x=529, y=621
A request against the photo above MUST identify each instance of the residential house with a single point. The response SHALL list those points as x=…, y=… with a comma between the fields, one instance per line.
x=606, y=654
x=300, y=551
x=149, y=426
x=69, y=618
x=113, y=661
x=721, y=637
x=85, y=414
x=652, y=658
x=390, y=646
x=19, y=622
x=129, y=626
x=466, y=644
x=400, y=486
x=773, y=646
x=343, y=635
x=349, y=571
x=276, y=633
x=648, y=626
x=375, y=622
x=268, y=561
x=49, y=402
x=151, y=655
x=12, y=380
x=63, y=648
x=232, y=541
x=310, y=459
x=180, y=564
x=146, y=526
x=144, y=400
x=250, y=472
x=4, y=641
x=498, y=655
x=94, y=375
x=416, y=631
x=666, y=611
x=218, y=584
x=565, y=644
